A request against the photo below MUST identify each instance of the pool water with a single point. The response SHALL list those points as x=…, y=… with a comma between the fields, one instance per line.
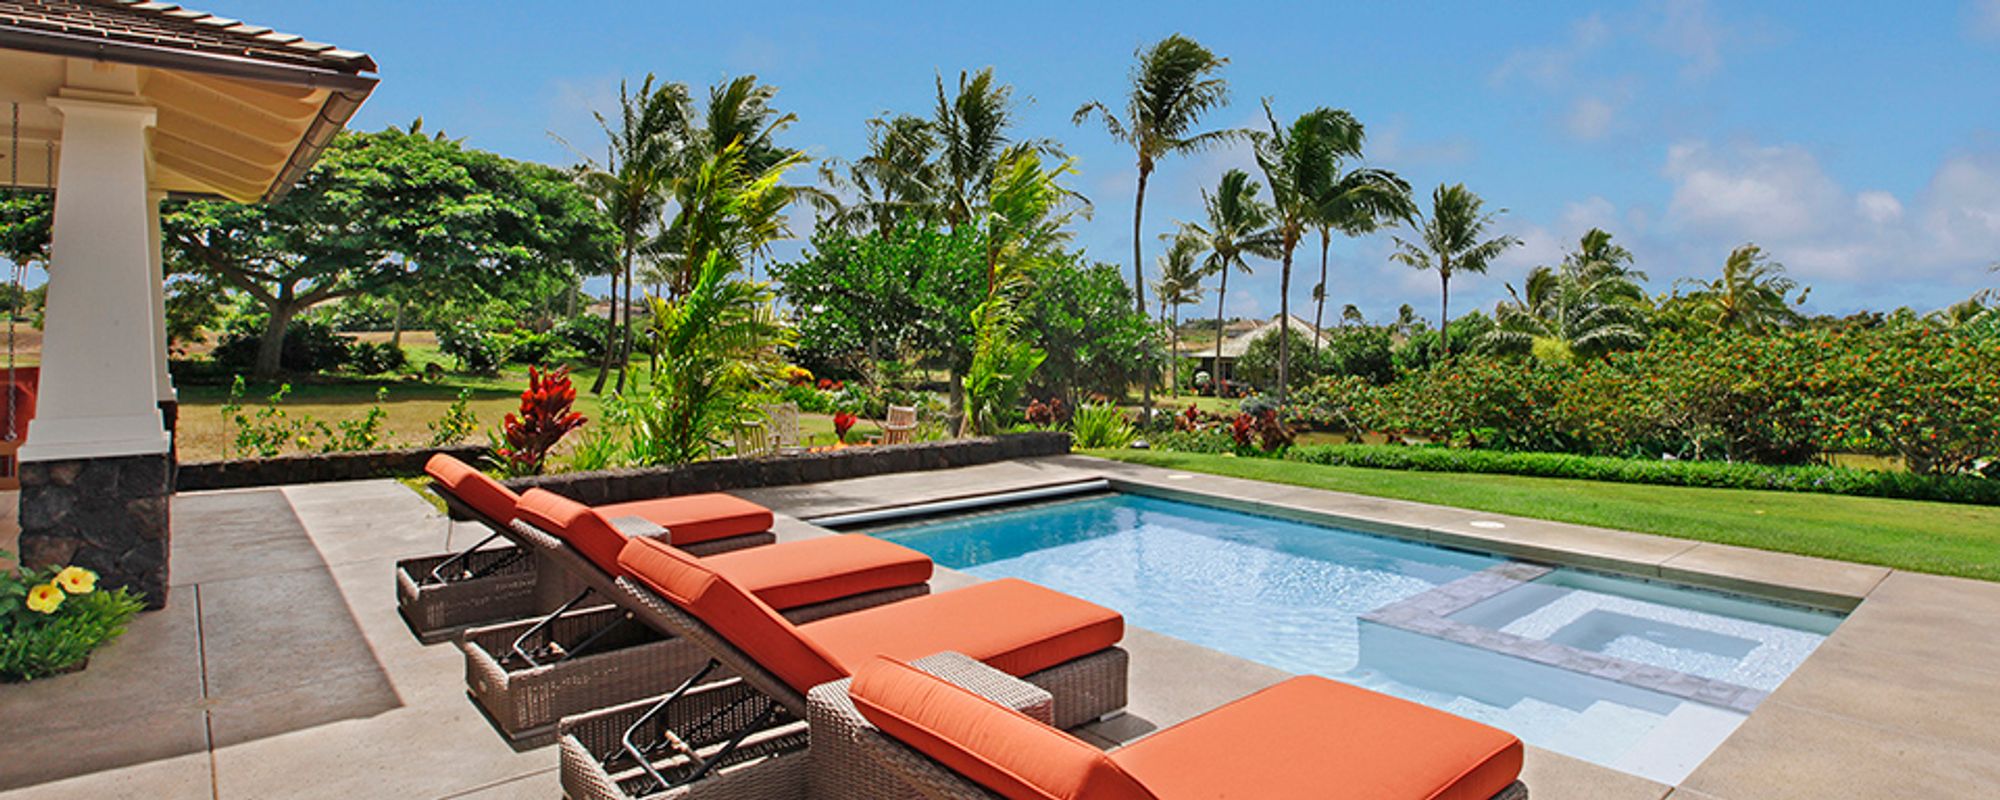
x=1647, y=678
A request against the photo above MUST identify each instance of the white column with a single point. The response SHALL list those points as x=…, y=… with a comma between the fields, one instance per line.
x=99, y=393
x=158, y=282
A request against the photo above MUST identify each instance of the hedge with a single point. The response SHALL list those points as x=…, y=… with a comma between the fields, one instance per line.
x=1712, y=474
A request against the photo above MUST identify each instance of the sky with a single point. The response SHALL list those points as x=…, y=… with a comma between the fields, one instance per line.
x=1857, y=142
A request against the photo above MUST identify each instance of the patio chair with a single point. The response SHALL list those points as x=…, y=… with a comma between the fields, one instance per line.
x=1305, y=738
x=900, y=427
x=753, y=440
x=783, y=422
x=1066, y=646
x=528, y=674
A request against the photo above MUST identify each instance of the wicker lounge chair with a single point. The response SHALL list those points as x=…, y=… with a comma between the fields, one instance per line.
x=481, y=585
x=529, y=674
x=1307, y=737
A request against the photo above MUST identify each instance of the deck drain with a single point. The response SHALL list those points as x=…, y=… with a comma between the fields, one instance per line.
x=1487, y=524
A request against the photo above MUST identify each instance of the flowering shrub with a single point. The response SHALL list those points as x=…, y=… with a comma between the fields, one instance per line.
x=545, y=418
x=798, y=376
x=842, y=423
x=52, y=619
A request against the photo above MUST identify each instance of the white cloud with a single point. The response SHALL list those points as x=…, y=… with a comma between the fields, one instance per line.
x=1687, y=30
x=1590, y=118
x=1391, y=143
x=1553, y=68
x=1879, y=207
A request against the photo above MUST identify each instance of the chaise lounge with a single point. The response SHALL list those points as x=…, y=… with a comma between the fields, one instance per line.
x=1307, y=738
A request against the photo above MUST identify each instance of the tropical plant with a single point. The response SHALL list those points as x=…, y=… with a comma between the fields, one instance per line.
x=1026, y=225
x=1173, y=85
x=1100, y=425
x=476, y=351
x=52, y=618
x=547, y=414
x=971, y=129
x=1592, y=304
x=727, y=187
x=1753, y=295
x=1236, y=225
x=718, y=343
x=1180, y=284
x=1449, y=242
x=896, y=181
x=1353, y=203
x=630, y=185
x=1303, y=164
x=1081, y=315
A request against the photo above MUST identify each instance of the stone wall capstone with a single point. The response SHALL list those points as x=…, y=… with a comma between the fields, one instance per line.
x=314, y=468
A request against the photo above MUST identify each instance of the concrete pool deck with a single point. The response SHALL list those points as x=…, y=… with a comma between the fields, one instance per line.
x=218, y=697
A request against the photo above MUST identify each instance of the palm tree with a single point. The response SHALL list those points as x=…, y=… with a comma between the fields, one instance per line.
x=1449, y=243
x=896, y=180
x=1302, y=162
x=1353, y=203
x=1752, y=295
x=1591, y=305
x=1237, y=226
x=1173, y=85
x=630, y=184
x=971, y=129
x=1181, y=274
x=1026, y=225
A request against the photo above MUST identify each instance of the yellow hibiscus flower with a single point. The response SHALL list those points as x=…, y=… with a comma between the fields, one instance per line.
x=76, y=580
x=44, y=599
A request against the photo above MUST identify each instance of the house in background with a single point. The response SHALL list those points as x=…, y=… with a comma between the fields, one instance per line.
x=1236, y=342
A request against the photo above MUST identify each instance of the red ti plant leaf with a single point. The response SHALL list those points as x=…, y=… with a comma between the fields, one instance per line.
x=545, y=418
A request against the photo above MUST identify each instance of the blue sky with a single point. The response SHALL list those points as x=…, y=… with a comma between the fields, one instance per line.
x=1859, y=142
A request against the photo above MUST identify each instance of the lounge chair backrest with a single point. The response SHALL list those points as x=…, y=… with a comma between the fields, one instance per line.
x=734, y=614
x=573, y=522
x=1009, y=753
x=473, y=488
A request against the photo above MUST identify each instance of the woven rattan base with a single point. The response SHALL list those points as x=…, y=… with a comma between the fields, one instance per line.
x=771, y=763
x=524, y=700
x=504, y=590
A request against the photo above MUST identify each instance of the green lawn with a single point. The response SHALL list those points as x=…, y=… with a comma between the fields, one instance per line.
x=1940, y=538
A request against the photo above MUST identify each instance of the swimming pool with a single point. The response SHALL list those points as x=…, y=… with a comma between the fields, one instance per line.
x=1640, y=676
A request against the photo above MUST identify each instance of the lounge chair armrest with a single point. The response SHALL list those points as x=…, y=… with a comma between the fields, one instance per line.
x=970, y=674
x=639, y=526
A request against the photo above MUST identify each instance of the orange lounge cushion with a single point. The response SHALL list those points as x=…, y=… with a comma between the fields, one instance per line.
x=1013, y=626
x=692, y=518
x=993, y=745
x=733, y=612
x=590, y=532
x=473, y=488
x=1310, y=737
x=802, y=573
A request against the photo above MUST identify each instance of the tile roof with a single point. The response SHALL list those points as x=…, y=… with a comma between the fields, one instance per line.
x=165, y=25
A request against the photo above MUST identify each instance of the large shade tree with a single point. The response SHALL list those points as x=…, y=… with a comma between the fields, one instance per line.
x=1235, y=225
x=1450, y=241
x=382, y=210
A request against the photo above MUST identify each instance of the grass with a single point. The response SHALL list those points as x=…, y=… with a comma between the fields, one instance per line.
x=1940, y=538
x=412, y=404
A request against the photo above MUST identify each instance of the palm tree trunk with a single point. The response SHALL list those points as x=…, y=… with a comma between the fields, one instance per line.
x=1174, y=355
x=1444, y=315
x=1319, y=313
x=1139, y=282
x=625, y=341
x=396, y=326
x=1170, y=355
x=1284, y=327
x=1215, y=383
x=610, y=333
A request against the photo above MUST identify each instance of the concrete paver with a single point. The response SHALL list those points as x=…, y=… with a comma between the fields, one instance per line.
x=1802, y=579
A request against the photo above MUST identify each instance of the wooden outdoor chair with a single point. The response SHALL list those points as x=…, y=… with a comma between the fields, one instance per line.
x=753, y=440
x=782, y=421
x=901, y=425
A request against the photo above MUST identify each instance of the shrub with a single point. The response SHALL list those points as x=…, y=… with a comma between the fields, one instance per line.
x=475, y=350
x=457, y=424
x=808, y=398
x=310, y=346
x=528, y=347
x=375, y=358
x=1213, y=441
x=546, y=416
x=53, y=618
x=1100, y=426
x=1715, y=474
x=584, y=334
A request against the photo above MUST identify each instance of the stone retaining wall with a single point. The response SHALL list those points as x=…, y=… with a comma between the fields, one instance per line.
x=320, y=468
x=620, y=485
